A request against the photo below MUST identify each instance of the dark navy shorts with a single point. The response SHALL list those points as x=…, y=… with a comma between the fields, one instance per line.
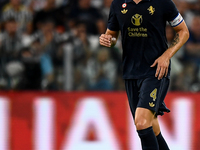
x=147, y=93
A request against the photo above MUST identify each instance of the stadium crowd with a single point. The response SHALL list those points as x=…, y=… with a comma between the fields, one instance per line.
x=42, y=42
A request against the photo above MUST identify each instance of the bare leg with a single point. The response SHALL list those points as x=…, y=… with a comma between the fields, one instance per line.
x=144, y=121
x=143, y=118
x=156, y=127
x=161, y=141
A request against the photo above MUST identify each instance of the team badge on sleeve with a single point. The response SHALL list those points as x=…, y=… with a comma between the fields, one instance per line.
x=124, y=5
x=176, y=21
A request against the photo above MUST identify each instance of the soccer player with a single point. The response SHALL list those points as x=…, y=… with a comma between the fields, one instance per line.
x=146, y=59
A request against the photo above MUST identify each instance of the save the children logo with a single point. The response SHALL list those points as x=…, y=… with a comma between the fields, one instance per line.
x=136, y=20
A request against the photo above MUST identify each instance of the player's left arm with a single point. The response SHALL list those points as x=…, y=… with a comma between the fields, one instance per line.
x=181, y=37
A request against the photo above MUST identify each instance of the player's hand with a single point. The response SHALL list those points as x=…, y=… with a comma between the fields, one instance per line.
x=162, y=66
x=105, y=40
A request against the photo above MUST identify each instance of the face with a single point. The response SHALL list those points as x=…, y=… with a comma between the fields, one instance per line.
x=51, y=3
x=15, y=2
x=11, y=27
x=84, y=4
x=81, y=29
x=48, y=27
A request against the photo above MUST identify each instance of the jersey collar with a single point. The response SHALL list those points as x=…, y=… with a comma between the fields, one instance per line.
x=128, y=1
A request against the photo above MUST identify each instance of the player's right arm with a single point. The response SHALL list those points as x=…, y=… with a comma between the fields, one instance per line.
x=109, y=39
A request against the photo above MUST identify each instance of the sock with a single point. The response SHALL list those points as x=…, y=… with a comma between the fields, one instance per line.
x=148, y=139
x=161, y=142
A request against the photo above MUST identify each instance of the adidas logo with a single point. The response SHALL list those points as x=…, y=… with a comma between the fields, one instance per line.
x=124, y=11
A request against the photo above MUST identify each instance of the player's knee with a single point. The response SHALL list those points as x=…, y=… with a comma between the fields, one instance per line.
x=142, y=123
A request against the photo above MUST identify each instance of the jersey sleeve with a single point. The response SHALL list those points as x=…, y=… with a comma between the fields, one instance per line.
x=113, y=24
x=172, y=14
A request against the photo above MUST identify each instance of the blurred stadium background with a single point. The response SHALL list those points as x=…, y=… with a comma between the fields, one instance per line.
x=59, y=89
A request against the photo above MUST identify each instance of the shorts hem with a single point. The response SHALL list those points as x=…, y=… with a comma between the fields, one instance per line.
x=157, y=112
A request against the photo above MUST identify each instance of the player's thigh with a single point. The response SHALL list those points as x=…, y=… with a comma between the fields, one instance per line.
x=152, y=94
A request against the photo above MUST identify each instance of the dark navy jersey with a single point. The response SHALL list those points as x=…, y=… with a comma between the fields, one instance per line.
x=143, y=33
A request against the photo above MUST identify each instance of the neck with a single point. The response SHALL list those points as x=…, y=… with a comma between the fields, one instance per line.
x=137, y=1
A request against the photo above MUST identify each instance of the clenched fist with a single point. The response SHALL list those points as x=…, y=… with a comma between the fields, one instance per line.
x=106, y=40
